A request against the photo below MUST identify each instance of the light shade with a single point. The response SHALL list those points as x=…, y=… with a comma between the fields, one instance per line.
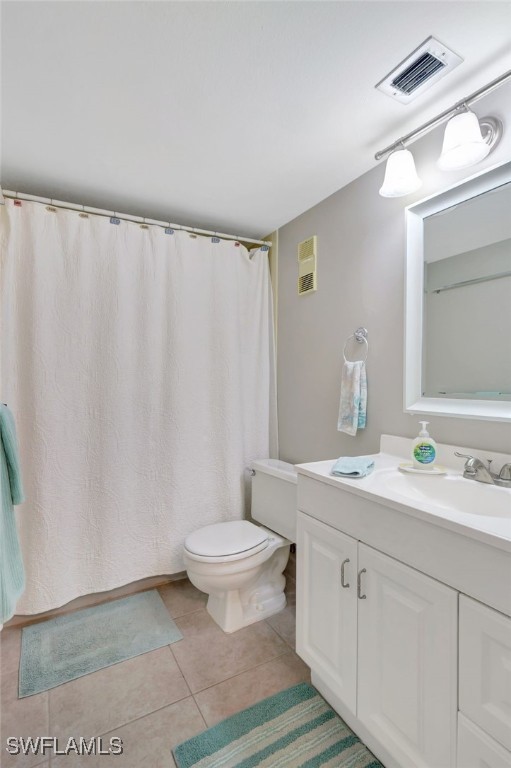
x=463, y=143
x=400, y=175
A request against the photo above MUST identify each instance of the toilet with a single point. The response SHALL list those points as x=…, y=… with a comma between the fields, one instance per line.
x=240, y=564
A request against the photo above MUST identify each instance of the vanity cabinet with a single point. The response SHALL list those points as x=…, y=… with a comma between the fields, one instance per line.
x=476, y=749
x=383, y=636
x=327, y=610
x=485, y=670
x=404, y=611
x=407, y=660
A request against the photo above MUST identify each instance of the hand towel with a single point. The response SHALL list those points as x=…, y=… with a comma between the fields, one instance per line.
x=353, y=466
x=353, y=403
x=12, y=575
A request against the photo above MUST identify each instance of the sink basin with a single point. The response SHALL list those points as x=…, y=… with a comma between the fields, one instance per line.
x=449, y=492
x=477, y=510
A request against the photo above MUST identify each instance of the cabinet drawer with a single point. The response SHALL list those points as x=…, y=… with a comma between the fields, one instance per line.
x=478, y=750
x=485, y=669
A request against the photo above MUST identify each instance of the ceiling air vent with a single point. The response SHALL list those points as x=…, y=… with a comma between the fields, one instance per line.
x=307, y=254
x=423, y=68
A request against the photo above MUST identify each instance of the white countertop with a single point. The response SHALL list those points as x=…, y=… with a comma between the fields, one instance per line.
x=423, y=496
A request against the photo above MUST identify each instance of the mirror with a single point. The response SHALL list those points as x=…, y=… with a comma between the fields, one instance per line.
x=458, y=300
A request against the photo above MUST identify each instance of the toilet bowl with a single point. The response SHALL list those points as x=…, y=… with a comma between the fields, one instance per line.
x=239, y=564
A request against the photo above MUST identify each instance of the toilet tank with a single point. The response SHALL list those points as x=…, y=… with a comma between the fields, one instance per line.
x=274, y=502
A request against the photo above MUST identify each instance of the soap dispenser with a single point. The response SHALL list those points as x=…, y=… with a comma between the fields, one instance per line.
x=423, y=449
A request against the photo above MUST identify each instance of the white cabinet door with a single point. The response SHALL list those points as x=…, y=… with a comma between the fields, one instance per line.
x=485, y=668
x=478, y=750
x=407, y=661
x=326, y=611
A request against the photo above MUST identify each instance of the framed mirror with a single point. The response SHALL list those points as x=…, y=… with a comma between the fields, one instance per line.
x=458, y=300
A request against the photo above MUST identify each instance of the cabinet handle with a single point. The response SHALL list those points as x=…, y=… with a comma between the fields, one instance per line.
x=344, y=583
x=359, y=585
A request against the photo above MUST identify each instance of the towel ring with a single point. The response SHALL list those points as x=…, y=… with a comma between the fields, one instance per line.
x=360, y=336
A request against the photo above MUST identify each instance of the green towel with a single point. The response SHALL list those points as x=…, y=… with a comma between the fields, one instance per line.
x=353, y=466
x=12, y=575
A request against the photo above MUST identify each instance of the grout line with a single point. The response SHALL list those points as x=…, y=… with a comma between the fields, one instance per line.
x=182, y=699
x=200, y=711
x=180, y=670
x=188, y=613
x=45, y=763
x=194, y=695
x=140, y=717
x=277, y=632
x=177, y=665
x=242, y=671
x=147, y=714
x=169, y=704
x=288, y=649
x=282, y=636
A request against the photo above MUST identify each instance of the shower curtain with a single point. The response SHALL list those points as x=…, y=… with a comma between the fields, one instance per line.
x=139, y=365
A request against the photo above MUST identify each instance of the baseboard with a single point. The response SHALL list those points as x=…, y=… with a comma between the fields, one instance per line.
x=87, y=601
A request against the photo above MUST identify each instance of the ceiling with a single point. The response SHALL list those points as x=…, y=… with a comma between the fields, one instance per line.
x=233, y=116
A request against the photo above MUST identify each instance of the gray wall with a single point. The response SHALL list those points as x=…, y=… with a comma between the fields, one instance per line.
x=361, y=256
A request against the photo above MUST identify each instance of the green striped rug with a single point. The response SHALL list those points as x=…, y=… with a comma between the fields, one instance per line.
x=295, y=728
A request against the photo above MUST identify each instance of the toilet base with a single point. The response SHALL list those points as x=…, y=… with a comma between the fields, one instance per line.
x=245, y=590
x=234, y=610
x=259, y=593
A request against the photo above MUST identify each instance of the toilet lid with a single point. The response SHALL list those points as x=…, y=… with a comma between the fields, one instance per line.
x=224, y=539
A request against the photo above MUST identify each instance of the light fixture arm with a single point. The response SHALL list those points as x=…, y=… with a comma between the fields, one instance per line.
x=443, y=116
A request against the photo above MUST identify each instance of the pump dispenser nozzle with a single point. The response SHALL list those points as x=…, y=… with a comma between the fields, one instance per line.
x=423, y=449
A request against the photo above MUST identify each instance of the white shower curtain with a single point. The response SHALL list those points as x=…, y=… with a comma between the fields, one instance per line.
x=139, y=366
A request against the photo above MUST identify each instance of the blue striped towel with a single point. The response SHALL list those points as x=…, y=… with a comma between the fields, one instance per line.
x=353, y=403
x=12, y=575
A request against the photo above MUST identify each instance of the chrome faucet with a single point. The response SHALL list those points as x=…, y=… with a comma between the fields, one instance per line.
x=475, y=469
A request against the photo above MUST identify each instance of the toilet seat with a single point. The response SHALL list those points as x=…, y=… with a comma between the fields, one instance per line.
x=224, y=542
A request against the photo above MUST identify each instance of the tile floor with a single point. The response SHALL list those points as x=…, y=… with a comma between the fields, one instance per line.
x=155, y=701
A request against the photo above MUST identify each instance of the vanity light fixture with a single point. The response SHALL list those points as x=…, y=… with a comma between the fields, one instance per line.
x=400, y=174
x=464, y=144
x=467, y=141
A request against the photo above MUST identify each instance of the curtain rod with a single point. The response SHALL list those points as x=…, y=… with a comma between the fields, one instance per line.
x=126, y=217
x=473, y=281
x=441, y=117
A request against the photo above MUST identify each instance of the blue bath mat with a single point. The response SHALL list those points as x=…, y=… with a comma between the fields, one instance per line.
x=293, y=728
x=59, y=650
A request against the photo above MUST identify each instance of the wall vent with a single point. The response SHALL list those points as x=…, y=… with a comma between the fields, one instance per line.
x=419, y=71
x=307, y=274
